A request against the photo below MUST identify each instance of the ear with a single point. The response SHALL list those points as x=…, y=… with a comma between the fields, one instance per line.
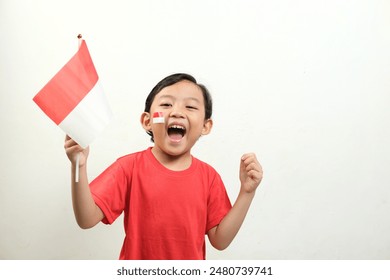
x=146, y=121
x=208, y=124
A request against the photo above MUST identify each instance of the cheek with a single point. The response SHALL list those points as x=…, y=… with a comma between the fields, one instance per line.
x=158, y=128
x=197, y=129
x=158, y=118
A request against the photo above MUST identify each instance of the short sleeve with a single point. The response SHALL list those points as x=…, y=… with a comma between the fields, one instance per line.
x=109, y=191
x=218, y=204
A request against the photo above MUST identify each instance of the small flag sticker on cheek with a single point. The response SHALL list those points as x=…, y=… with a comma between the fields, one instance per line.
x=158, y=117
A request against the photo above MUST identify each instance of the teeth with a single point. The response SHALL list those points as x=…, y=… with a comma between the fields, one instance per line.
x=177, y=127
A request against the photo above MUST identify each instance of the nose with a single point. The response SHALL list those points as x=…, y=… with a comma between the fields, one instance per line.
x=176, y=112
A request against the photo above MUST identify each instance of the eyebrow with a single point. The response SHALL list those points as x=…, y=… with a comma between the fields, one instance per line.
x=186, y=98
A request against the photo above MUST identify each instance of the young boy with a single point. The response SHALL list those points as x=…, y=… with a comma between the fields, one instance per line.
x=169, y=198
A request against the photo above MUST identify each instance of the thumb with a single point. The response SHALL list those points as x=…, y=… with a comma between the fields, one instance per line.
x=242, y=167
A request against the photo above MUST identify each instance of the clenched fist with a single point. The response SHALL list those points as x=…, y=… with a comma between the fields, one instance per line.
x=251, y=172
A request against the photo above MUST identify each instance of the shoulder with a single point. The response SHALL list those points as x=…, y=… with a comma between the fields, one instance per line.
x=206, y=169
x=132, y=158
x=204, y=165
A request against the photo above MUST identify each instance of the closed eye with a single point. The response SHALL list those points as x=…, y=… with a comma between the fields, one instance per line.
x=191, y=107
x=165, y=105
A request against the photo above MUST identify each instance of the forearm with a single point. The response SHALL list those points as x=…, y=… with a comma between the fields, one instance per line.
x=86, y=212
x=222, y=235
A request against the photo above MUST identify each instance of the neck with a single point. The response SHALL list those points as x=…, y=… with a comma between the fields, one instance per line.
x=173, y=162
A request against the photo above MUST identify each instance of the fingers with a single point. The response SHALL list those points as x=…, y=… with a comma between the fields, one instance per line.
x=251, y=166
x=71, y=146
x=250, y=162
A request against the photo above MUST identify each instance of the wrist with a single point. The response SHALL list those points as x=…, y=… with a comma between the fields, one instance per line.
x=244, y=192
x=80, y=166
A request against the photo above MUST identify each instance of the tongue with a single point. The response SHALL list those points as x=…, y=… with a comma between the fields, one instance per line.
x=175, y=136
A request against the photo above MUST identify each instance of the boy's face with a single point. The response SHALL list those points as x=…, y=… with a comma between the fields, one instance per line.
x=182, y=105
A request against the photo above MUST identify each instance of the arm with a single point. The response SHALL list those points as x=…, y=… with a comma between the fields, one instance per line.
x=251, y=174
x=87, y=213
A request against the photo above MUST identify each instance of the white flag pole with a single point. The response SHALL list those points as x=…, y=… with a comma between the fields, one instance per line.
x=77, y=173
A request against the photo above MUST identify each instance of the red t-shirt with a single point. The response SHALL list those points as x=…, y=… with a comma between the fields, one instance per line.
x=166, y=213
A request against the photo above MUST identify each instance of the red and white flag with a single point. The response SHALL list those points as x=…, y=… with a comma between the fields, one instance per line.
x=74, y=99
x=158, y=117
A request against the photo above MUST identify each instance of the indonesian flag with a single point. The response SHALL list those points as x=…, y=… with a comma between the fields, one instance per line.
x=74, y=99
x=158, y=117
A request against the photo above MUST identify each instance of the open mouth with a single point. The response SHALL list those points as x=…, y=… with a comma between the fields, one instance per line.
x=176, y=132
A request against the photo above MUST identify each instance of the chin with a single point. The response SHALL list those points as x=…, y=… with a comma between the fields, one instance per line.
x=176, y=149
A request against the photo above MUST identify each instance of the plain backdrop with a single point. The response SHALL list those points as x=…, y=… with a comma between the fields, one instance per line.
x=304, y=84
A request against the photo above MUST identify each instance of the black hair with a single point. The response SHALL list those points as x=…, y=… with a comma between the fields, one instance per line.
x=173, y=79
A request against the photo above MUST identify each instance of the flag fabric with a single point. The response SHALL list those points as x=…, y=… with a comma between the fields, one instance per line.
x=74, y=99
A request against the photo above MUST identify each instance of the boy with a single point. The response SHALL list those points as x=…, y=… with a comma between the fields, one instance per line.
x=169, y=198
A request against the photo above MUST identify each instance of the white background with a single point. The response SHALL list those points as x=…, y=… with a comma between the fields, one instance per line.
x=303, y=84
